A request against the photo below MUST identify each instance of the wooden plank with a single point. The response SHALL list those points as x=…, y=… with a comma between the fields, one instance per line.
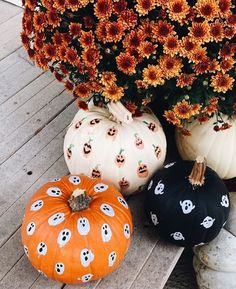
x=15, y=78
x=43, y=282
x=158, y=267
x=25, y=112
x=10, y=35
x=15, y=2
x=10, y=60
x=8, y=11
x=20, y=98
x=21, y=158
x=33, y=126
x=22, y=275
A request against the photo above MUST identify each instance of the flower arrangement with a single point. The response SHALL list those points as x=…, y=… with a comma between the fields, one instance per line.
x=181, y=52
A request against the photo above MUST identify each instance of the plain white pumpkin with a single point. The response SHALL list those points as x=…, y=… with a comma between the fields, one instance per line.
x=219, y=148
x=112, y=145
x=215, y=263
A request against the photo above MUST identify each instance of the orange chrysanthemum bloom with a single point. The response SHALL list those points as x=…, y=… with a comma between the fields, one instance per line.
x=222, y=82
x=162, y=30
x=178, y=9
x=31, y=4
x=61, y=51
x=202, y=66
x=227, y=64
x=82, y=90
x=183, y=110
x=133, y=39
x=131, y=106
x=86, y=39
x=101, y=31
x=75, y=29
x=41, y=61
x=126, y=63
x=147, y=48
x=143, y=7
x=187, y=47
x=113, y=92
x=25, y=40
x=28, y=26
x=53, y=18
x=195, y=108
x=170, y=65
x=225, y=8
x=200, y=32
x=185, y=79
x=57, y=38
x=141, y=84
x=103, y=9
x=199, y=55
x=152, y=75
x=147, y=28
x=73, y=5
x=119, y=6
x=71, y=55
x=214, y=66
x=59, y=5
x=95, y=86
x=50, y=52
x=216, y=31
x=172, y=118
x=69, y=85
x=115, y=31
x=203, y=118
x=108, y=78
x=39, y=21
x=207, y=8
x=230, y=32
x=91, y=57
x=128, y=18
x=171, y=45
x=135, y=53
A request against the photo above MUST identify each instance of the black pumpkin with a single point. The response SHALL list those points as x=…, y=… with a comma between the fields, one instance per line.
x=187, y=202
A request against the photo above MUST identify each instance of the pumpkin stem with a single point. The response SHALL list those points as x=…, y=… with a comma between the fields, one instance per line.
x=197, y=176
x=79, y=200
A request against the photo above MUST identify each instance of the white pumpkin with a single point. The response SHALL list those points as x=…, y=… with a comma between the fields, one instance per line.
x=112, y=145
x=219, y=148
x=215, y=263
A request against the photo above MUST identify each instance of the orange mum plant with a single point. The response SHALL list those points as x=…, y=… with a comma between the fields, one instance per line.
x=179, y=52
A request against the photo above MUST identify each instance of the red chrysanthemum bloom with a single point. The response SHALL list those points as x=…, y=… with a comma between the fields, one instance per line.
x=25, y=40
x=69, y=85
x=152, y=75
x=207, y=9
x=120, y=6
x=143, y=7
x=178, y=9
x=86, y=39
x=162, y=30
x=185, y=79
x=50, y=52
x=103, y=9
x=227, y=64
x=147, y=49
x=230, y=32
x=108, y=78
x=126, y=63
x=41, y=61
x=133, y=39
x=81, y=90
x=113, y=92
x=57, y=38
x=71, y=55
x=216, y=31
x=172, y=118
x=91, y=57
x=59, y=5
x=171, y=45
x=224, y=7
x=53, y=18
x=200, y=32
x=170, y=65
x=73, y=5
x=101, y=31
x=202, y=66
x=39, y=21
x=115, y=31
x=75, y=29
x=128, y=18
x=222, y=82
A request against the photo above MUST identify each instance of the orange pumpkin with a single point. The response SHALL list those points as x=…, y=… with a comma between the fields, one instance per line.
x=76, y=229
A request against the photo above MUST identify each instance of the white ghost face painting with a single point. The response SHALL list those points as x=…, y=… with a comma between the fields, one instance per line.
x=42, y=248
x=59, y=268
x=30, y=228
x=63, y=237
x=207, y=222
x=56, y=219
x=106, y=233
x=86, y=257
x=122, y=202
x=154, y=219
x=83, y=226
x=100, y=187
x=87, y=277
x=112, y=258
x=37, y=205
x=225, y=201
x=187, y=206
x=75, y=180
x=178, y=236
x=126, y=231
x=107, y=210
x=159, y=190
x=54, y=192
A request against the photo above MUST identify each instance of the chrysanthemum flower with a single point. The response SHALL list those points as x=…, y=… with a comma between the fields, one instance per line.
x=185, y=79
x=141, y=84
x=224, y=8
x=53, y=18
x=31, y=4
x=86, y=39
x=95, y=86
x=199, y=55
x=62, y=51
x=133, y=39
x=119, y=6
x=115, y=31
x=170, y=65
x=200, y=32
x=183, y=110
x=71, y=55
x=171, y=45
x=214, y=66
x=147, y=48
x=131, y=106
x=108, y=78
x=216, y=31
x=178, y=9
x=91, y=57
x=230, y=32
x=63, y=68
x=41, y=61
x=152, y=75
x=128, y=18
x=73, y=5
x=162, y=30
x=75, y=29
x=59, y=5
x=147, y=28
x=226, y=51
x=227, y=64
x=57, y=38
x=126, y=63
x=207, y=9
x=232, y=20
x=101, y=31
x=82, y=90
x=50, y=51
x=172, y=118
x=39, y=21
x=135, y=52
x=113, y=92
x=25, y=40
x=28, y=26
x=203, y=118
x=202, y=66
x=195, y=108
x=103, y=9
x=187, y=47
x=66, y=38
x=143, y=7
x=222, y=82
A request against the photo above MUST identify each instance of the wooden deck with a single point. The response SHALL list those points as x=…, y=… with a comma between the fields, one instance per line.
x=34, y=113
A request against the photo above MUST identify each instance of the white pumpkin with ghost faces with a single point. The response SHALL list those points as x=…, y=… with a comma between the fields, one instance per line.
x=113, y=145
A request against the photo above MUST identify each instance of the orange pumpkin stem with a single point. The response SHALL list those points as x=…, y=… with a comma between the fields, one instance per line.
x=197, y=176
x=79, y=200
